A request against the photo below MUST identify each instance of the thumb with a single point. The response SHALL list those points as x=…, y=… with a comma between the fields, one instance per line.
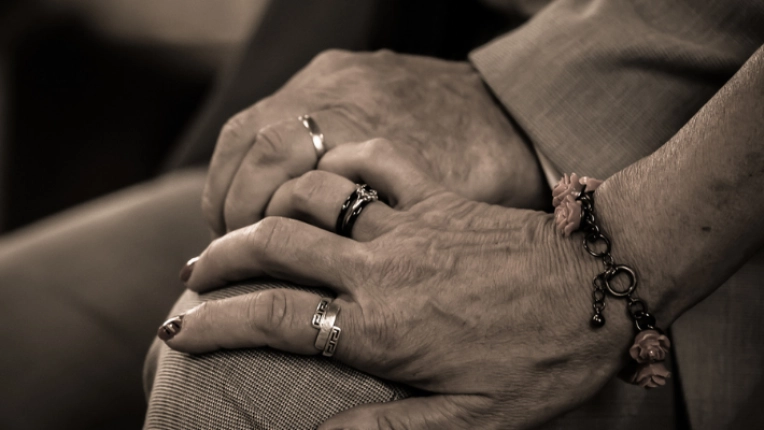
x=434, y=412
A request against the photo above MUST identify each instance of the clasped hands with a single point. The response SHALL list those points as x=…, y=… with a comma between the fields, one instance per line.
x=440, y=288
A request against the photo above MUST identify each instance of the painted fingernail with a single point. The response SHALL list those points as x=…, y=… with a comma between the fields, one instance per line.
x=185, y=272
x=170, y=328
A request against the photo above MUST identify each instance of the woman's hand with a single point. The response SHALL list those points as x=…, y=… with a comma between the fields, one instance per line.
x=460, y=135
x=486, y=307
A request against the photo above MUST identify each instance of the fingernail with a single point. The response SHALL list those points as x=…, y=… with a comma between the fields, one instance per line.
x=185, y=272
x=170, y=328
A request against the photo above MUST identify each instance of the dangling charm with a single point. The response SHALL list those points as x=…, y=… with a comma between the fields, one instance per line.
x=650, y=349
x=598, y=320
x=651, y=375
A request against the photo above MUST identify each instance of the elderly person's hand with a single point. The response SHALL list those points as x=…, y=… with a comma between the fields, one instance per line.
x=484, y=306
x=460, y=134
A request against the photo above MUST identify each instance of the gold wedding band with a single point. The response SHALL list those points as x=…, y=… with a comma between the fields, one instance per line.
x=315, y=134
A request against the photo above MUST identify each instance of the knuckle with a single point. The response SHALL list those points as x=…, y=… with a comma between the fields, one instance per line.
x=268, y=311
x=390, y=60
x=270, y=145
x=232, y=128
x=306, y=187
x=352, y=113
x=375, y=148
x=262, y=234
x=383, y=53
x=331, y=55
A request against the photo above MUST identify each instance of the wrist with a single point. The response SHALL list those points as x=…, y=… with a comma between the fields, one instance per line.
x=579, y=269
x=600, y=221
x=635, y=242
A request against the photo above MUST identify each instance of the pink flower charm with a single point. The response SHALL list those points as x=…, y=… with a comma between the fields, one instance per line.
x=566, y=187
x=567, y=215
x=591, y=183
x=650, y=347
x=651, y=375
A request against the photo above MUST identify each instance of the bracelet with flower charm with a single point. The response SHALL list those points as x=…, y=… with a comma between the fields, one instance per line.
x=573, y=198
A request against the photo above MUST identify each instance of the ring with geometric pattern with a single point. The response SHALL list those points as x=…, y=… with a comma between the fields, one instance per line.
x=331, y=344
x=329, y=334
x=319, y=315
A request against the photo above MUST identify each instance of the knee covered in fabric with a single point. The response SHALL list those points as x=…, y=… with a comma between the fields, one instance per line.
x=252, y=388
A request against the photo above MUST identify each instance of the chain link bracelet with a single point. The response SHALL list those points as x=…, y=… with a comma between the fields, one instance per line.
x=573, y=199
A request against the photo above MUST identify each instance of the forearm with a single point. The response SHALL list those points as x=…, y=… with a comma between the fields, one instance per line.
x=687, y=217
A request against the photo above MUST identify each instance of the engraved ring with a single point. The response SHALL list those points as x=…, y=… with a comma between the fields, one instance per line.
x=315, y=134
x=319, y=315
x=328, y=333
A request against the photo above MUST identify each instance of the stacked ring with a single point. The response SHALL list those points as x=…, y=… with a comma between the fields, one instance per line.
x=328, y=333
x=352, y=208
x=344, y=208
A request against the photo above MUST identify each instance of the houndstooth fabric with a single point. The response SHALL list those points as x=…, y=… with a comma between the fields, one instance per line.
x=253, y=388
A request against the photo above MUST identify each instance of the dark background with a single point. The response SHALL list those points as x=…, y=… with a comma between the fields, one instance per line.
x=83, y=113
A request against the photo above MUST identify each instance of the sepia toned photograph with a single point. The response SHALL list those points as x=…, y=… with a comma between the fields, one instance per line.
x=382, y=214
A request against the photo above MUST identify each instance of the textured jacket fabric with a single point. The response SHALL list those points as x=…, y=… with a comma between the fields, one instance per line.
x=599, y=84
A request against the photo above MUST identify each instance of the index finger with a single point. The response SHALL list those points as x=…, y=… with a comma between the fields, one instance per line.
x=278, y=318
x=282, y=248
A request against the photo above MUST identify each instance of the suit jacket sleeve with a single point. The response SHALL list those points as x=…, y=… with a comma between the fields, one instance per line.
x=599, y=84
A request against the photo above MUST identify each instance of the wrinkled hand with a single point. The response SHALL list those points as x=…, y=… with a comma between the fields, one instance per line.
x=484, y=306
x=461, y=136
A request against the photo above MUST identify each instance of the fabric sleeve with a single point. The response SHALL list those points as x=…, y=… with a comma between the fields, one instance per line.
x=599, y=84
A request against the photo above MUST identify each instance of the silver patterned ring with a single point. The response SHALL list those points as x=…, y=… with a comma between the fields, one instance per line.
x=329, y=333
x=319, y=315
x=315, y=134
